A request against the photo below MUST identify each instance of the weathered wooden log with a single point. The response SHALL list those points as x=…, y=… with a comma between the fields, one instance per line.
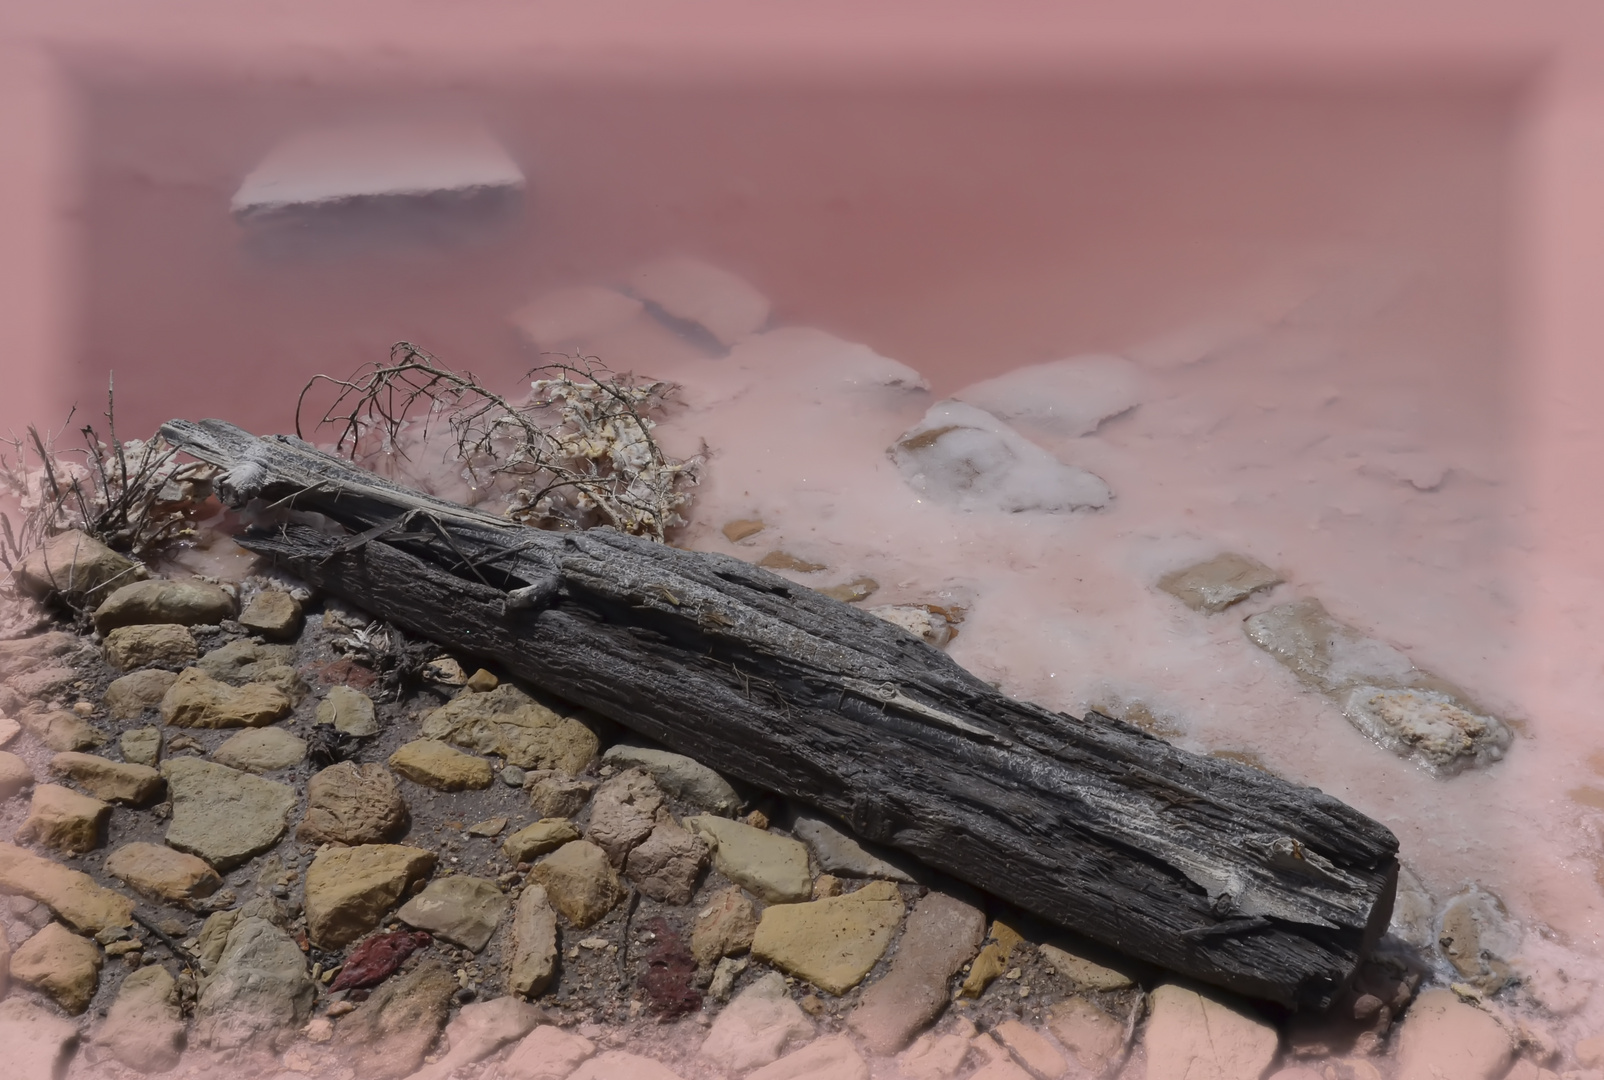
x=1206, y=867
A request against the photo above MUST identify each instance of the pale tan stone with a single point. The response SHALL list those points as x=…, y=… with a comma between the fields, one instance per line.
x=59, y=963
x=349, y=803
x=223, y=815
x=274, y=614
x=511, y=725
x=435, y=765
x=159, y=872
x=533, y=841
x=187, y=602
x=15, y=776
x=533, y=964
x=127, y=698
x=348, y=710
x=724, y=927
x=72, y=895
x=130, y=647
x=261, y=750
x=580, y=881
x=60, y=729
x=113, y=781
x=62, y=819
x=772, y=867
x=197, y=700
x=348, y=890
x=622, y=813
x=830, y=943
x=993, y=959
x=1085, y=974
x=76, y=565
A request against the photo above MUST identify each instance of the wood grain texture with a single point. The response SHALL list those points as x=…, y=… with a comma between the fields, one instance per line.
x=1203, y=866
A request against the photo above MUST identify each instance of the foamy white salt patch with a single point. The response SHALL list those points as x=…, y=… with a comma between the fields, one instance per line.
x=1066, y=397
x=723, y=304
x=340, y=163
x=967, y=457
x=571, y=316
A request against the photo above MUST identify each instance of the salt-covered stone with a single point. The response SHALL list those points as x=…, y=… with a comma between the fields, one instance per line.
x=567, y=317
x=620, y=1065
x=1066, y=397
x=1380, y=691
x=1091, y=1035
x=478, y=1031
x=1215, y=584
x=965, y=457
x=37, y=1041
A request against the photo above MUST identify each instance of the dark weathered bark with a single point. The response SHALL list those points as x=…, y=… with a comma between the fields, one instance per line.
x=1202, y=866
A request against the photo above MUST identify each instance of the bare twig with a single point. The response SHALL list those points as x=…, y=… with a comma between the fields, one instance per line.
x=578, y=452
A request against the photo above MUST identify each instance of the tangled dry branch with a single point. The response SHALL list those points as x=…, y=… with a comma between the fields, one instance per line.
x=135, y=496
x=577, y=452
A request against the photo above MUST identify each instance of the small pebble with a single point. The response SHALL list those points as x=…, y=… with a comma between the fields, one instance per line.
x=513, y=776
x=757, y=819
x=83, y=708
x=341, y=1008
x=482, y=682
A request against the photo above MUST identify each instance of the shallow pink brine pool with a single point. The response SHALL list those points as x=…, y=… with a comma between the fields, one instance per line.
x=1250, y=405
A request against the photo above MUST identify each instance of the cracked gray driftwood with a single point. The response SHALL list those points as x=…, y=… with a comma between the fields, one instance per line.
x=1202, y=866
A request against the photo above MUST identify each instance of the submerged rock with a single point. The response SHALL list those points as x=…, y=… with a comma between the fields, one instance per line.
x=547, y=1053
x=1408, y=711
x=389, y=1034
x=1215, y=584
x=36, y=1041
x=718, y=301
x=830, y=1058
x=965, y=457
x=1065, y=397
x=1443, y=1036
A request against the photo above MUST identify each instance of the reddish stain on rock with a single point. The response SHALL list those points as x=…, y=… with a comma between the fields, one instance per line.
x=376, y=959
x=670, y=969
x=345, y=673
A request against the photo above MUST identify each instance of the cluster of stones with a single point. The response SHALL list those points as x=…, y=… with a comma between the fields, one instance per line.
x=802, y=954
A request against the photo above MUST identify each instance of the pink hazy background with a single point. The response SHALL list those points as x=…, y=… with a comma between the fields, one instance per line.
x=965, y=188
